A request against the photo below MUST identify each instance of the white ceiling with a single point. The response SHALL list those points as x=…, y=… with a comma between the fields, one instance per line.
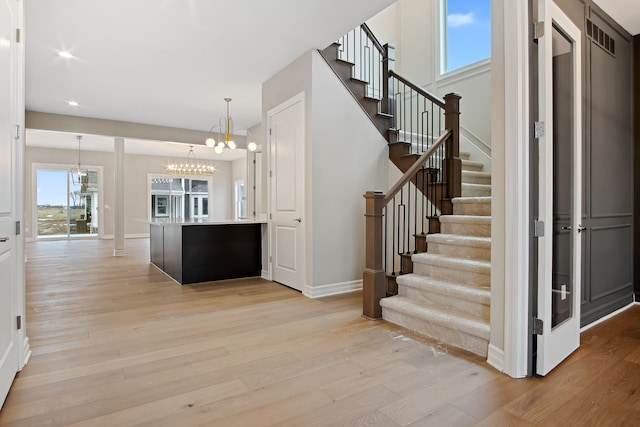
x=624, y=12
x=172, y=62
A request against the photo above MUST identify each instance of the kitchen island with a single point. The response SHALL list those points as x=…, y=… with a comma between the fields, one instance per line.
x=204, y=250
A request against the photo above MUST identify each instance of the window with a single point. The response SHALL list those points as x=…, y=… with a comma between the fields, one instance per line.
x=161, y=205
x=179, y=197
x=465, y=34
x=240, y=199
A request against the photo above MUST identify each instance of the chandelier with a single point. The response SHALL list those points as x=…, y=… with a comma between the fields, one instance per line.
x=79, y=175
x=190, y=166
x=225, y=126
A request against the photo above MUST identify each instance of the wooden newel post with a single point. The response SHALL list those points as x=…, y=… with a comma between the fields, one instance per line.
x=373, y=277
x=453, y=164
x=388, y=64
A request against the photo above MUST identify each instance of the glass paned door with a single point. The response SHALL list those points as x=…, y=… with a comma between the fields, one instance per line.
x=63, y=208
x=52, y=216
x=560, y=175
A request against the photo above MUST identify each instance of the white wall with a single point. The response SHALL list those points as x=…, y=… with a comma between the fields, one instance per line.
x=415, y=26
x=137, y=167
x=349, y=157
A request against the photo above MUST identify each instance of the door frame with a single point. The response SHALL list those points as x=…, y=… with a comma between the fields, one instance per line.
x=16, y=121
x=554, y=345
x=299, y=98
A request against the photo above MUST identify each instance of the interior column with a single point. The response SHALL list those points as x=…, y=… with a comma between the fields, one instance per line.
x=119, y=196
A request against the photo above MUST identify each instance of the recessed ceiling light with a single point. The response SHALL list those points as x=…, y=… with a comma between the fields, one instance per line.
x=73, y=103
x=65, y=54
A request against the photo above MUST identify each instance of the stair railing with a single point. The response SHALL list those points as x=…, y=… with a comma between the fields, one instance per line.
x=361, y=48
x=397, y=223
x=393, y=221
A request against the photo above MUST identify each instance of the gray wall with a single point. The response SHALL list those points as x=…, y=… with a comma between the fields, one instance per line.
x=608, y=165
x=636, y=156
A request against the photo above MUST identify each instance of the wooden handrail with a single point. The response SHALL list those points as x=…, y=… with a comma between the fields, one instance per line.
x=438, y=101
x=415, y=167
x=372, y=37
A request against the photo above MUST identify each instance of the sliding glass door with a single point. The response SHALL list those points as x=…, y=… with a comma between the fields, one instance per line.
x=65, y=209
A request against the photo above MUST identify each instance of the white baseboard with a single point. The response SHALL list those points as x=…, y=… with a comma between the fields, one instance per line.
x=333, y=289
x=26, y=351
x=265, y=275
x=495, y=357
x=126, y=236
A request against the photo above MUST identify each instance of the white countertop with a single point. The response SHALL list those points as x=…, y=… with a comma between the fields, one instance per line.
x=207, y=221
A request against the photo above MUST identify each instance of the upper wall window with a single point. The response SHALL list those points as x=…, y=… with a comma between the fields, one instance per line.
x=466, y=33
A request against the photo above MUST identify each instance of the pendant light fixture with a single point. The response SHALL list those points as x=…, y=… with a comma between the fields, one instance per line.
x=225, y=126
x=191, y=166
x=79, y=175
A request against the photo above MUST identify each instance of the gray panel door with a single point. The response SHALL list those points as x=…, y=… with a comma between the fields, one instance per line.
x=608, y=168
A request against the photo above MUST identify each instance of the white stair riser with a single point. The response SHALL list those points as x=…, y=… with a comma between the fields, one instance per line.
x=468, y=165
x=476, y=190
x=477, y=209
x=466, y=229
x=460, y=251
x=476, y=309
x=473, y=177
x=449, y=336
x=466, y=277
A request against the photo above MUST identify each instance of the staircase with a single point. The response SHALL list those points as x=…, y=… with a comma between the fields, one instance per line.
x=435, y=272
x=447, y=297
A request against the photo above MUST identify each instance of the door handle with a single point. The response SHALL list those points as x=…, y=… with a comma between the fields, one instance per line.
x=581, y=228
x=4, y=239
x=566, y=228
x=298, y=220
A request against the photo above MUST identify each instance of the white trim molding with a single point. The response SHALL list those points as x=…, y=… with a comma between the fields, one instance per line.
x=26, y=352
x=333, y=289
x=516, y=320
x=495, y=357
x=510, y=204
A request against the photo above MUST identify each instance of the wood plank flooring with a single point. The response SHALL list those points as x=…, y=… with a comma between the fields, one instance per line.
x=116, y=343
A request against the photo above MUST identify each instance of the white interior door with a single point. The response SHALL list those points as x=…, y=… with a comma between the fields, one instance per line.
x=560, y=148
x=286, y=129
x=9, y=353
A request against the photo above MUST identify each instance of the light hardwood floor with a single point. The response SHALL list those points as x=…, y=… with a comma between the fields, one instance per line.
x=117, y=343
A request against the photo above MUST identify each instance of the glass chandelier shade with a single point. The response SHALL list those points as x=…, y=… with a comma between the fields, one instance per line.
x=79, y=175
x=190, y=166
x=225, y=134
